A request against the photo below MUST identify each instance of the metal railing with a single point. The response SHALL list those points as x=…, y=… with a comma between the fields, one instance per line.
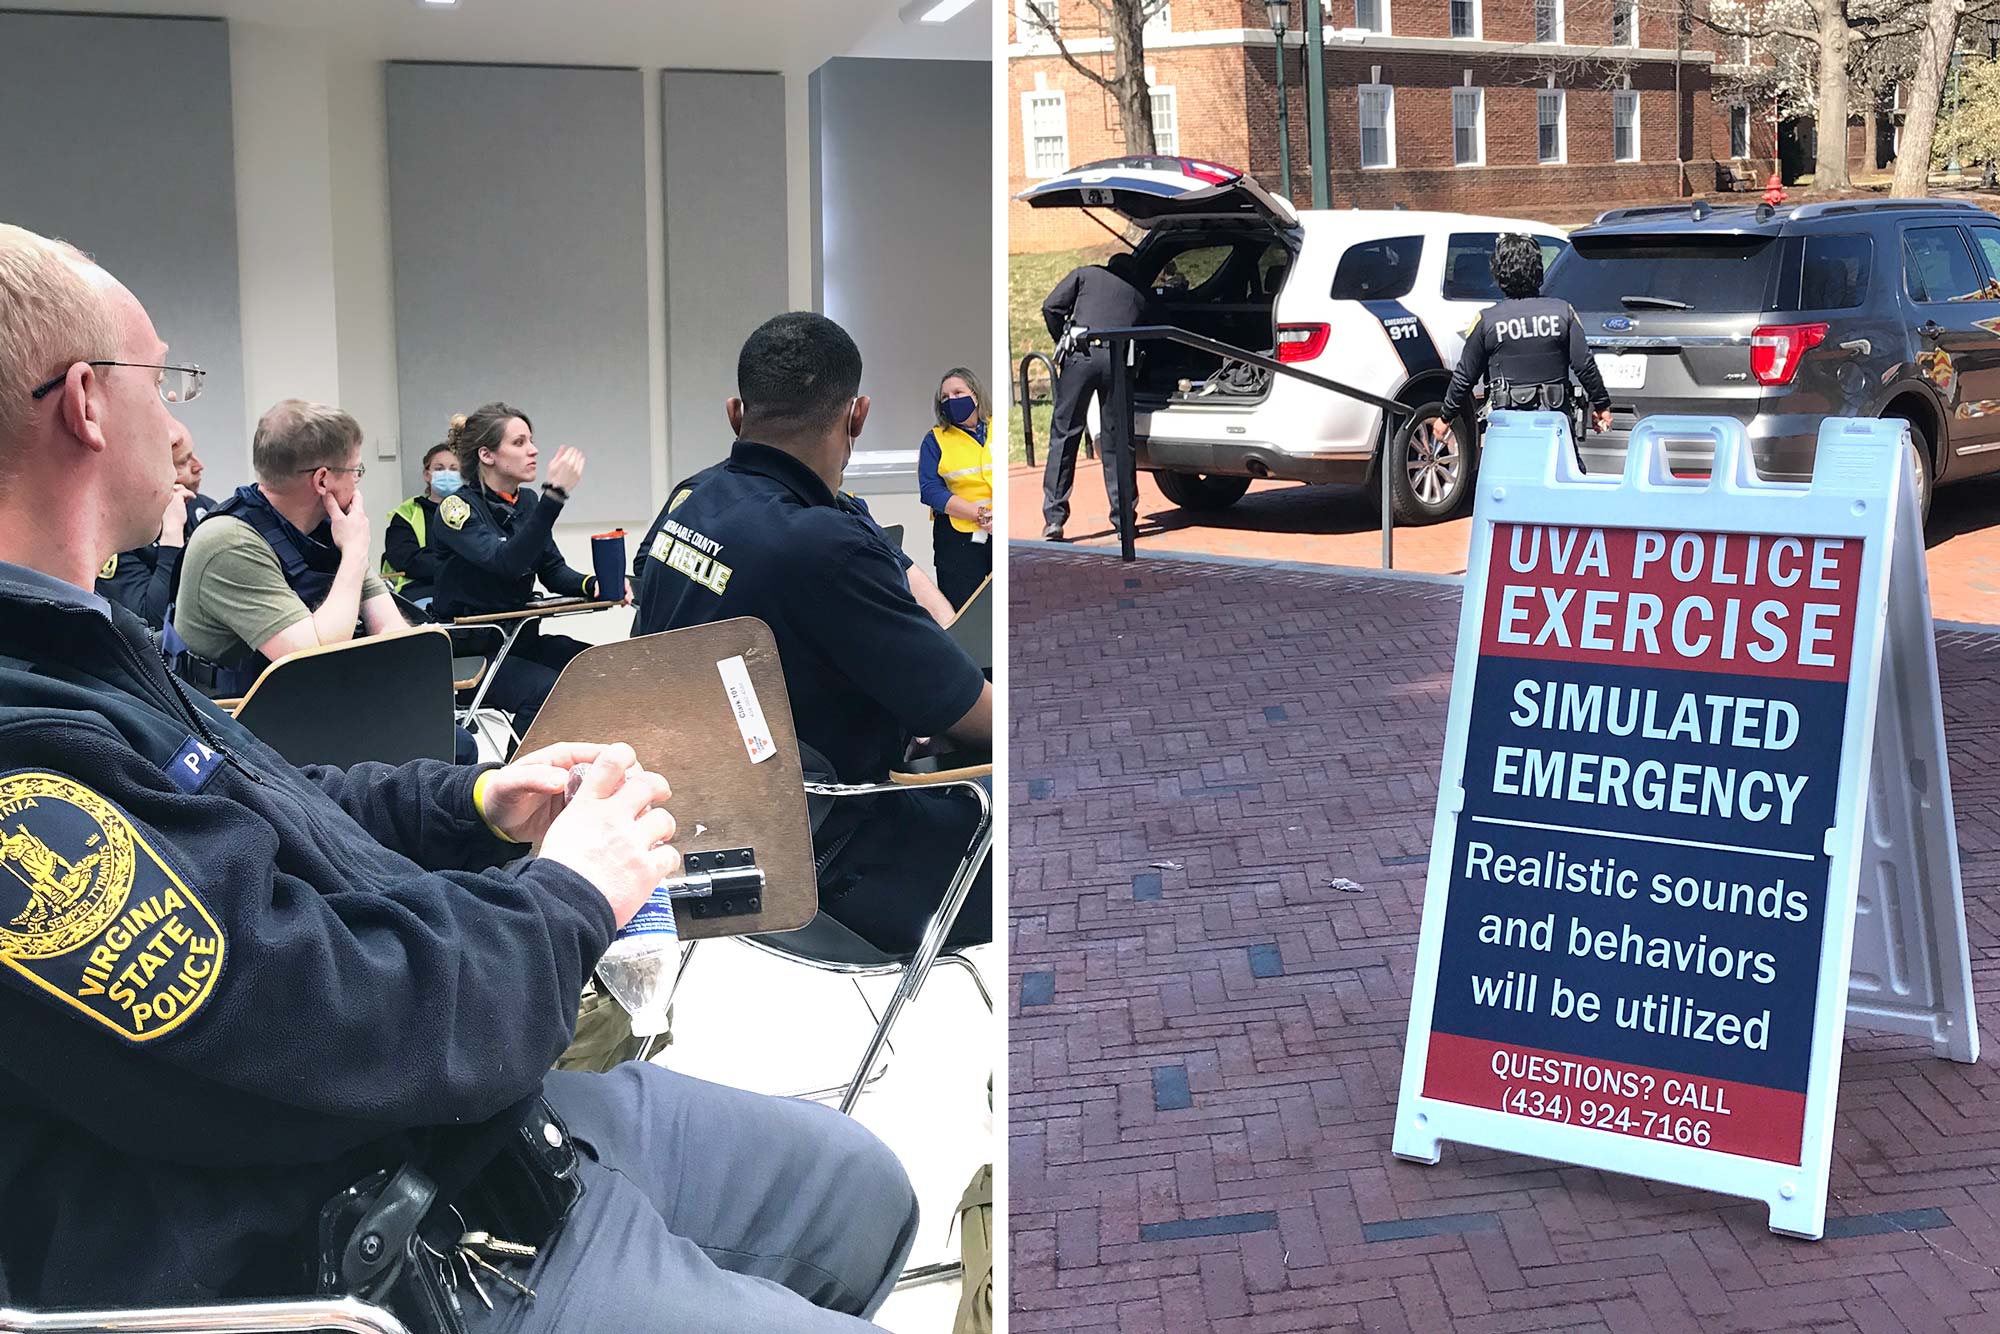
x=1118, y=411
x=1027, y=401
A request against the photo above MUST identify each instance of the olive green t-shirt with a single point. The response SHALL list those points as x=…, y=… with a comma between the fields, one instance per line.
x=233, y=590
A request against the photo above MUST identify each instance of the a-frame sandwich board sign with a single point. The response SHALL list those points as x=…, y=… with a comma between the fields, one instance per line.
x=1694, y=726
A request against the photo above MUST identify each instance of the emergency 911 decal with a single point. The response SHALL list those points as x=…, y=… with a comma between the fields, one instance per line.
x=1632, y=935
x=92, y=916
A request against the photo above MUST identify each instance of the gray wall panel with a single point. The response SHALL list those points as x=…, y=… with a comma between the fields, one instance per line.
x=118, y=138
x=723, y=182
x=904, y=234
x=518, y=223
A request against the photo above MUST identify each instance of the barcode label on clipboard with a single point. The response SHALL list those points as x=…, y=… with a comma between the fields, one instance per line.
x=749, y=713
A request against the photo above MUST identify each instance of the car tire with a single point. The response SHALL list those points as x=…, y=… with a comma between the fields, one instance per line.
x=1429, y=483
x=1205, y=492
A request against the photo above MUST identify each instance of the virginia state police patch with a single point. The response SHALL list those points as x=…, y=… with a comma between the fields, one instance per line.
x=91, y=914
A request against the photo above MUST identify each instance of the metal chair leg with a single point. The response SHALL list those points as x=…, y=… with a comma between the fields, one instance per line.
x=918, y=1275
x=971, y=971
x=653, y=1045
x=822, y=1094
x=932, y=944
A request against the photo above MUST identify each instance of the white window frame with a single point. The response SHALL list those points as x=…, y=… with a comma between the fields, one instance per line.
x=1630, y=96
x=1555, y=38
x=1388, y=92
x=1633, y=39
x=1743, y=50
x=1739, y=109
x=1478, y=21
x=1028, y=136
x=1161, y=24
x=1027, y=32
x=1382, y=13
x=1476, y=96
x=1561, y=98
x=1172, y=147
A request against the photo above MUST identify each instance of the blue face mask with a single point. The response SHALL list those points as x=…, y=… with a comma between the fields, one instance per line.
x=960, y=410
x=446, y=483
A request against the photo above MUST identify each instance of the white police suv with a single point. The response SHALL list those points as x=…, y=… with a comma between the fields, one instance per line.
x=1377, y=299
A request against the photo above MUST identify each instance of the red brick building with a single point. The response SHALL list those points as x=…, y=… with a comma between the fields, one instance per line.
x=1476, y=105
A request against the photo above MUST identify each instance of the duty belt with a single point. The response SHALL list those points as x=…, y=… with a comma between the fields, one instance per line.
x=1552, y=397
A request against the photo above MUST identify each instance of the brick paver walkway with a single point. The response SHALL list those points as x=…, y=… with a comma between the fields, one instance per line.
x=1334, y=525
x=1206, y=1037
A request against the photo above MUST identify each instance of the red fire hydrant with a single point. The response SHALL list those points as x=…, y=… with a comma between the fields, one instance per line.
x=1774, y=191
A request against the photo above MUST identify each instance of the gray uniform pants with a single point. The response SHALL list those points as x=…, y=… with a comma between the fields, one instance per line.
x=709, y=1209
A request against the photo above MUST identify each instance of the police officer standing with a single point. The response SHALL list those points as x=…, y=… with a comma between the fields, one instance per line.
x=866, y=668
x=1526, y=346
x=1106, y=296
x=498, y=538
x=145, y=579
x=242, y=995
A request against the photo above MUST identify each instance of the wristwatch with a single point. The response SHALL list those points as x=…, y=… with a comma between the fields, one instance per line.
x=560, y=493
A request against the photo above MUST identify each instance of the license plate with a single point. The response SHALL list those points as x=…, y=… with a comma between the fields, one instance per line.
x=1622, y=372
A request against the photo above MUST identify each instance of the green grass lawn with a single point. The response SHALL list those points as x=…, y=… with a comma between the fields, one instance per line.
x=1029, y=279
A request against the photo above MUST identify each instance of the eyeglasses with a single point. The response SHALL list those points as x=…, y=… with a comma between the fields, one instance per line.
x=360, y=470
x=178, y=384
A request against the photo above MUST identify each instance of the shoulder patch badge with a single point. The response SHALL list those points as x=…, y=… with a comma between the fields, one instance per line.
x=109, y=568
x=90, y=914
x=455, y=511
x=679, y=497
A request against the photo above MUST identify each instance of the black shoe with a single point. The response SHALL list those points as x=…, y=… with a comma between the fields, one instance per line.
x=1052, y=533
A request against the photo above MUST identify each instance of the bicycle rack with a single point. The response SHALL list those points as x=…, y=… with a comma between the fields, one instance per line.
x=1028, y=401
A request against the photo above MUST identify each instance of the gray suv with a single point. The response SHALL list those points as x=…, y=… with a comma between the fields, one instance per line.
x=1780, y=317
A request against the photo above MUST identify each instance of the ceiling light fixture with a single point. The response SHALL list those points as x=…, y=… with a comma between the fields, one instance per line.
x=933, y=11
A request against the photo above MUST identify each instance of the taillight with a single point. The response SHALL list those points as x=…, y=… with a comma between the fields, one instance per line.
x=1302, y=342
x=1775, y=350
x=1212, y=172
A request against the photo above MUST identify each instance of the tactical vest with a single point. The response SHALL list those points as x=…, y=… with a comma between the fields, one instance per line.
x=309, y=566
x=411, y=512
x=966, y=467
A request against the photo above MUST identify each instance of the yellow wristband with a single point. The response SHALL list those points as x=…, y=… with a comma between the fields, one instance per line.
x=479, y=806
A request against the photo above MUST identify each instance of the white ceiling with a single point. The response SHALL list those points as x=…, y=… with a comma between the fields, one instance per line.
x=790, y=35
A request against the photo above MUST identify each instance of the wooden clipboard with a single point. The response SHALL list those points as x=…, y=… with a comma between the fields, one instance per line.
x=664, y=695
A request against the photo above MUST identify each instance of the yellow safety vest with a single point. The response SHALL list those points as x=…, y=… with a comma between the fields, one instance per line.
x=966, y=466
x=413, y=512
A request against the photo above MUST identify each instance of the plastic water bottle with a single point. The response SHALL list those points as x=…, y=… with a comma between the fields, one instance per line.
x=639, y=968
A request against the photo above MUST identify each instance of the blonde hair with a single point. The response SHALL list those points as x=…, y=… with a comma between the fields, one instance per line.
x=51, y=316
x=296, y=436
x=972, y=382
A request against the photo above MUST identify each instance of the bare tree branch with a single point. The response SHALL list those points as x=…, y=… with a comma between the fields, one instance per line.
x=1047, y=26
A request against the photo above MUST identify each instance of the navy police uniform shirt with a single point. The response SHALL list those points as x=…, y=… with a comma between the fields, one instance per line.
x=1526, y=342
x=236, y=987
x=147, y=578
x=495, y=546
x=866, y=667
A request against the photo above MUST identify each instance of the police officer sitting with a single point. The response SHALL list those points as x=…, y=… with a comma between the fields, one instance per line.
x=239, y=988
x=766, y=535
x=411, y=557
x=146, y=578
x=282, y=565
x=1526, y=346
x=498, y=537
x=1088, y=297
x=928, y=595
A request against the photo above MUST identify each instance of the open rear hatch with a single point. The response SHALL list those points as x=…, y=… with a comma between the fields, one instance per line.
x=1148, y=190
x=1218, y=249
